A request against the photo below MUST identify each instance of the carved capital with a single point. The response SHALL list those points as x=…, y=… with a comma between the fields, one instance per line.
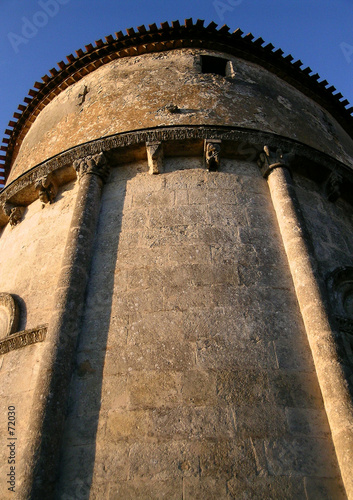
x=155, y=157
x=13, y=212
x=212, y=149
x=9, y=315
x=269, y=160
x=333, y=186
x=47, y=189
x=92, y=165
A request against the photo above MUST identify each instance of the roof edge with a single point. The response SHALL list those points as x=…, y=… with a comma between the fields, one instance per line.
x=176, y=36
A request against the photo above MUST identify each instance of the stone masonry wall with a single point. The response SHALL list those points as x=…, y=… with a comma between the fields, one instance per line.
x=194, y=377
x=134, y=93
x=330, y=225
x=30, y=255
x=331, y=229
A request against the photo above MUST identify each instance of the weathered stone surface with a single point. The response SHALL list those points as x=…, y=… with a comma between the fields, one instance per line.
x=190, y=375
x=63, y=124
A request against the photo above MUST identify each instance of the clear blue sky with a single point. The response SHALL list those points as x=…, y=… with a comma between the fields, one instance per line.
x=311, y=30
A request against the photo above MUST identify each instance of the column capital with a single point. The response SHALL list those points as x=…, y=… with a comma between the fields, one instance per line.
x=93, y=165
x=269, y=160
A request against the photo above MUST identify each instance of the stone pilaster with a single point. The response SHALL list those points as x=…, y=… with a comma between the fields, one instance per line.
x=338, y=404
x=51, y=396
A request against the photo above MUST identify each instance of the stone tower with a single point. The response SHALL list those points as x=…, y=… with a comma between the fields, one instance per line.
x=176, y=304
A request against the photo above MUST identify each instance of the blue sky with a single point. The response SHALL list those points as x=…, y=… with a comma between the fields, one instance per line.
x=319, y=32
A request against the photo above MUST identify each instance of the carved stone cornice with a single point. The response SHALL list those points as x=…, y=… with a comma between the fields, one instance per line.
x=237, y=143
x=23, y=338
x=269, y=160
x=92, y=165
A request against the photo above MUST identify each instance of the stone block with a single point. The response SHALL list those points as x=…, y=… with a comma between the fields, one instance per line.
x=149, y=389
x=143, y=200
x=186, y=179
x=198, y=196
x=140, y=257
x=301, y=457
x=135, y=302
x=223, y=254
x=214, y=322
x=197, y=253
x=198, y=388
x=211, y=235
x=181, y=299
x=225, y=458
x=294, y=355
x=127, y=425
x=324, y=488
x=260, y=421
x=221, y=197
x=243, y=387
x=141, y=183
x=175, y=164
x=292, y=389
x=220, y=354
x=231, y=216
x=309, y=422
x=147, y=489
x=163, y=461
x=181, y=197
x=156, y=327
x=265, y=488
x=207, y=488
x=171, y=217
x=114, y=394
x=203, y=422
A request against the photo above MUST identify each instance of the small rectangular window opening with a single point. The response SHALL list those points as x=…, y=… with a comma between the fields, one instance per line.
x=211, y=64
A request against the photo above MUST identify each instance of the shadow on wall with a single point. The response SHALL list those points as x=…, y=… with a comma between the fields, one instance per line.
x=82, y=422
